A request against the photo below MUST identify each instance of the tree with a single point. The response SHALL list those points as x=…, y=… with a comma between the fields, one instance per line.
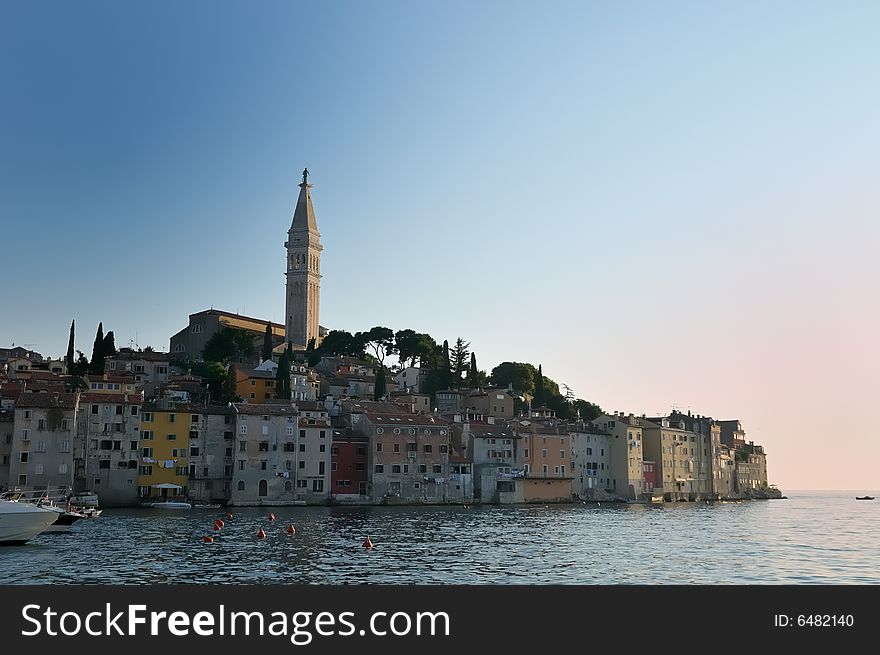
x=69, y=358
x=540, y=397
x=97, y=363
x=459, y=360
x=518, y=375
x=80, y=366
x=228, y=344
x=267, y=344
x=414, y=346
x=587, y=411
x=218, y=379
x=108, y=348
x=379, y=339
x=340, y=342
x=476, y=377
x=379, y=390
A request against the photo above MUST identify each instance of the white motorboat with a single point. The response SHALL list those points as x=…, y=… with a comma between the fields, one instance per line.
x=171, y=504
x=21, y=522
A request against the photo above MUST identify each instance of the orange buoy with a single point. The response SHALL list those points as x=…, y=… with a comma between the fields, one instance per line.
x=229, y=515
x=271, y=516
x=208, y=540
x=219, y=523
x=261, y=534
x=291, y=530
x=216, y=528
x=368, y=543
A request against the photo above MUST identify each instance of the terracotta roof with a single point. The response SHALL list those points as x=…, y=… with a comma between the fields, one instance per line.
x=404, y=419
x=267, y=409
x=46, y=400
x=111, y=398
x=310, y=406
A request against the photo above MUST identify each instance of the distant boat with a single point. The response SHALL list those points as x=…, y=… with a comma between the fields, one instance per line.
x=209, y=506
x=171, y=505
x=864, y=497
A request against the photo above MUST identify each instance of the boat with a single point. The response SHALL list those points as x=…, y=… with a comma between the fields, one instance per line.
x=85, y=499
x=90, y=512
x=864, y=497
x=197, y=506
x=171, y=504
x=66, y=518
x=21, y=522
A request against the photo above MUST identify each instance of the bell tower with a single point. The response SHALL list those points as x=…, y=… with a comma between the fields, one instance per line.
x=303, y=300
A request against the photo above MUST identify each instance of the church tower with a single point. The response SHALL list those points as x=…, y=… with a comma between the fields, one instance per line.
x=303, y=270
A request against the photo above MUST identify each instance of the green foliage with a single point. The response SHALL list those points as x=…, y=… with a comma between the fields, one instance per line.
x=338, y=343
x=215, y=378
x=588, y=411
x=80, y=367
x=458, y=361
x=97, y=363
x=540, y=397
x=69, y=358
x=108, y=348
x=412, y=346
x=379, y=390
x=520, y=376
x=229, y=344
x=266, y=354
x=379, y=339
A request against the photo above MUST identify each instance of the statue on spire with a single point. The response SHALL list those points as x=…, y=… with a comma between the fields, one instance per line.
x=305, y=176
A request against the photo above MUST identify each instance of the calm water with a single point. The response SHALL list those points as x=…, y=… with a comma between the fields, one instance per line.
x=811, y=538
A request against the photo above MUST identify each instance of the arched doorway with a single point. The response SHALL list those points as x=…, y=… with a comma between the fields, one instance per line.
x=264, y=488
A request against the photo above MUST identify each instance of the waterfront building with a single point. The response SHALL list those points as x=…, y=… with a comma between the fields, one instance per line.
x=163, y=460
x=627, y=475
x=590, y=461
x=349, y=461
x=497, y=458
x=149, y=368
x=7, y=429
x=682, y=458
x=211, y=452
x=546, y=462
x=409, y=454
x=751, y=469
x=108, y=437
x=42, y=448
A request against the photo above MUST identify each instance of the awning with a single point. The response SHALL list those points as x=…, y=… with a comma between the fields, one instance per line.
x=166, y=485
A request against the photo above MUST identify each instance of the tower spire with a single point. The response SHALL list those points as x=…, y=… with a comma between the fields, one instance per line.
x=304, y=214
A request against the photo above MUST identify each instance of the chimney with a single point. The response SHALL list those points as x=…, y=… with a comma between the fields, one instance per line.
x=490, y=420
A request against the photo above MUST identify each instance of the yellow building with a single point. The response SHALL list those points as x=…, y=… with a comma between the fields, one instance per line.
x=164, y=444
x=254, y=386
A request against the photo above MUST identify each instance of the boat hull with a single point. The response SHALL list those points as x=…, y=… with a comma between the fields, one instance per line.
x=21, y=522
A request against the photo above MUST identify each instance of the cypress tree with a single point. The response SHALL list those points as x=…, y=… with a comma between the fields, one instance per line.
x=540, y=398
x=267, y=343
x=69, y=359
x=108, y=348
x=472, y=373
x=97, y=363
x=379, y=389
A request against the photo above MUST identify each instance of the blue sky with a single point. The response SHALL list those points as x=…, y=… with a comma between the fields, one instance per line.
x=662, y=203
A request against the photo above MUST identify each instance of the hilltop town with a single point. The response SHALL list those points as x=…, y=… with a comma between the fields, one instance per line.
x=243, y=411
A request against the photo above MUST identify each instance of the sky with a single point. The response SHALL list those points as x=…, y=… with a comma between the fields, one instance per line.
x=665, y=204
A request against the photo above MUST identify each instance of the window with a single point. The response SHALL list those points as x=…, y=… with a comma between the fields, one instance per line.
x=40, y=447
x=171, y=437
x=264, y=429
x=423, y=468
x=427, y=448
x=41, y=424
x=193, y=452
x=62, y=468
x=333, y=466
x=302, y=464
x=561, y=454
x=320, y=468
x=119, y=410
x=317, y=485
x=397, y=448
x=64, y=446
x=545, y=469
x=22, y=480
x=437, y=468
x=543, y=452
x=378, y=447
x=146, y=452
x=289, y=447
x=264, y=447
x=38, y=468
x=242, y=447
x=147, y=435
x=444, y=448
x=27, y=413
x=134, y=410
x=241, y=464
x=104, y=464
x=322, y=434
x=193, y=434
x=334, y=450
x=302, y=448
x=25, y=434
x=302, y=484
x=241, y=485
x=395, y=468
x=379, y=468
x=411, y=447
x=322, y=448
x=262, y=464
x=172, y=418
x=288, y=486
x=289, y=431
x=242, y=429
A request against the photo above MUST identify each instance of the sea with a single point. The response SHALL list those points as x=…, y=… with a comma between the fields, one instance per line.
x=808, y=538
